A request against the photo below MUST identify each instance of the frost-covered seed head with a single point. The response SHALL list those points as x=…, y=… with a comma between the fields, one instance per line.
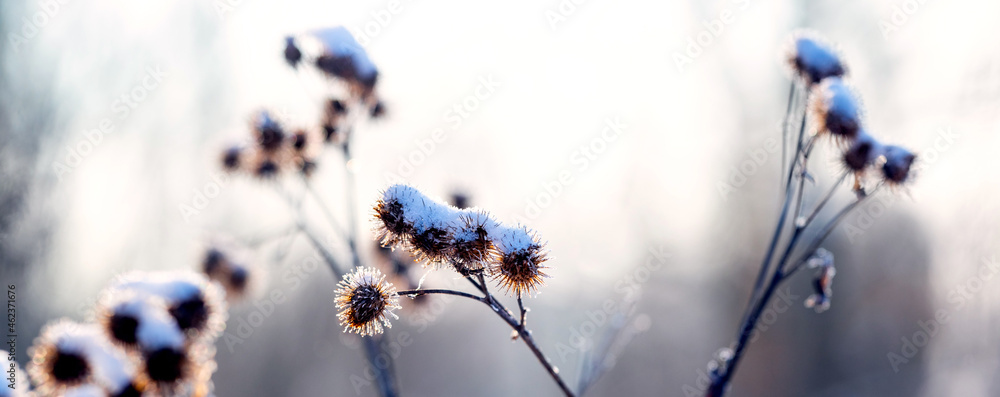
x=336, y=107
x=460, y=200
x=812, y=59
x=166, y=365
x=267, y=169
x=423, y=225
x=137, y=321
x=231, y=158
x=366, y=301
x=292, y=53
x=214, y=263
x=331, y=132
x=377, y=110
x=392, y=227
x=234, y=277
x=836, y=109
x=471, y=244
x=468, y=240
x=268, y=133
x=432, y=245
x=299, y=141
x=518, y=264
x=69, y=354
x=59, y=359
x=345, y=59
x=898, y=165
x=823, y=282
x=861, y=153
x=196, y=304
x=337, y=66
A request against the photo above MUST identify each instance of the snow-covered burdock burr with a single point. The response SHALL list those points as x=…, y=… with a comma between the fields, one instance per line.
x=70, y=354
x=836, y=110
x=812, y=59
x=366, y=302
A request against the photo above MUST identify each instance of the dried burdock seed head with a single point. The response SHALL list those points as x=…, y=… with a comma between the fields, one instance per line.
x=268, y=133
x=471, y=244
x=336, y=107
x=377, y=110
x=337, y=66
x=366, y=301
x=460, y=200
x=238, y=280
x=69, y=354
x=466, y=240
x=167, y=366
x=425, y=225
x=431, y=245
x=59, y=359
x=215, y=262
x=823, y=282
x=517, y=266
x=267, y=168
x=812, y=59
x=861, y=153
x=836, y=110
x=197, y=305
x=225, y=263
x=333, y=115
x=234, y=277
x=137, y=321
x=300, y=140
x=330, y=132
x=345, y=59
x=232, y=158
x=145, y=326
x=859, y=157
x=292, y=53
x=898, y=165
x=392, y=226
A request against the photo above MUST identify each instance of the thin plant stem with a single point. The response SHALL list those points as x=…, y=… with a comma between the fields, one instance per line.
x=387, y=383
x=776, y=236
x=332, y=220
x=814, y=245
x=519, y=327
x=826, y=198
x=383, y=376
x=328, y=257
x=351, y=206
x=784, y=128
x=718, y=387
x=485, y=289
x=802, y=179
x=413, y=293
x=524, y=313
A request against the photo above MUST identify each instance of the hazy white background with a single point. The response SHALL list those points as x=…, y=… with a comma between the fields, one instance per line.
x=654, y=186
